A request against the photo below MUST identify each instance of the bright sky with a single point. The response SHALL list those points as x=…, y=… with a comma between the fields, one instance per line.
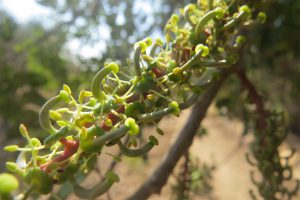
x=27, y=10
x=24, y=10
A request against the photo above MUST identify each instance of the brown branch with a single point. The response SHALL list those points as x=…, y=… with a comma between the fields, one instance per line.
x=255, y=98
x=159, y=177
x=185, y=173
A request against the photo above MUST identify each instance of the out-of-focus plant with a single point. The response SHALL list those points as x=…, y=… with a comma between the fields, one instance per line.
x=30, y=71
x=192, y=179
x=201, y=44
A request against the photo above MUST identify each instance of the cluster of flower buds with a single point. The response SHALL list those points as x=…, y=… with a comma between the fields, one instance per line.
x=168, y=78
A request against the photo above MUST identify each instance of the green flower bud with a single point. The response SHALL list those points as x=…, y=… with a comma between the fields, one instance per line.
x=92, y=102
x=67, y=89
x=8, y=183
x=132, y=126
x=114, y=67
x=203, y=48
x=11, y=148
x=64, y=96
x=142, y=45
x=148, y=41
x=220, y=13
x=261, y=17
x=108, y=122
x=147, y=58
x=177, y=70
x=245, y=9
x=159, y=42
x=35, y=142
x=81, y=96
x=62, y=110
x=61, y=123
x=55, y=115
x=14, y=168
x=189, y=8
x=174, y=19
x=239, y=41
x=11, y=166
x=174, y=105
x=23, y=130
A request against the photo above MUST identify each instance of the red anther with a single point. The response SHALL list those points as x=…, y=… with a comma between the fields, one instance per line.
x=88, y=124
x=114, y=119
x=70, y=149
x=157, y=72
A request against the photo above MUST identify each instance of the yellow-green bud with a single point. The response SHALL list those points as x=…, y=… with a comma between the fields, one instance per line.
x=67, y=89
x=108, y=122
x=8, y=183
x=23, y=130
x=11, y=148
x=11, y=166
x=64, y=96
x=159, y=42
x=142, y=45
x=189, y=8
x=61, y=123
x=81, y=96
x=148, y=41
x=177, y=70
x=240, y=39
x=261, y=17
x=245, y=9
x=35, y=142
x=62, y=110
x=174, y=105
x=151, y=96
x=114, y=67
x=55, y=115
x=147, y=58
x=220, y=14
x=203, y=48
x=174, y=19
x=132, y=126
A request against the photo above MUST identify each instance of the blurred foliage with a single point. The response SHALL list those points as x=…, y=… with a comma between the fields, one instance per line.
x=26, y=68
x=272, y=57
x=194, y=179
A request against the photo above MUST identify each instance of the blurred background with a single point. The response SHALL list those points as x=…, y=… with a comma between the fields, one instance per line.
x=45, y=43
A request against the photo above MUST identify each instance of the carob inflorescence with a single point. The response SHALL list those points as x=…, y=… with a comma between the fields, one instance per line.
x=168, y=77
